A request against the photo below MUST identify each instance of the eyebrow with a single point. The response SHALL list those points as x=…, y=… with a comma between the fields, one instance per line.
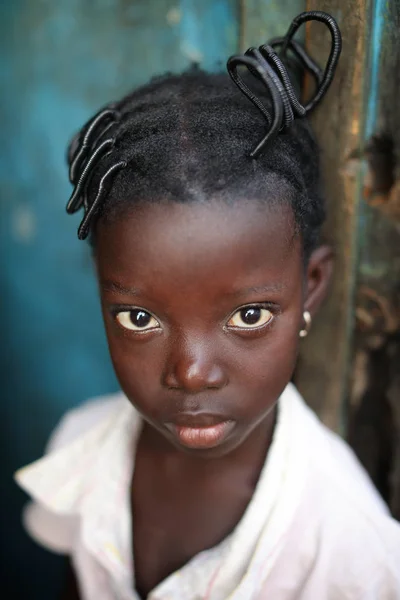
x=262, y=289
x=113, y=286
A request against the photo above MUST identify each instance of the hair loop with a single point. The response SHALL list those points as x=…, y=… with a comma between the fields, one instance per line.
x=85, y=152
x=77, y=155
x=102, y=190
x=267, y=66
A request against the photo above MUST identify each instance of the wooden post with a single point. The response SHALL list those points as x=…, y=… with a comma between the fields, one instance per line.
x=325, y=363
x=349, y=368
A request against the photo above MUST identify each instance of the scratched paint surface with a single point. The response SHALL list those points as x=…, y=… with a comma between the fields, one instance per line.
x=375, y=405
x=359, y=327
x=61, y=60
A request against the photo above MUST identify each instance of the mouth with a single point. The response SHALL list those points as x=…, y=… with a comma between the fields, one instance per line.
x=200, y=431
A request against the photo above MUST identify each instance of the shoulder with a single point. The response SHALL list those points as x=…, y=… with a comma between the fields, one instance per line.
x=82, y=418
x=340, y=490
x=59, y=482
x=332, y=466
x=331, y=551
x=357, y=551
x=352, y=540
x=355, y=532
x=58, y=479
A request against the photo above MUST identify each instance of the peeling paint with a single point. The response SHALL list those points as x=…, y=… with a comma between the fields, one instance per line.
x=192, y=53
x=23, y=225
x=174, y=16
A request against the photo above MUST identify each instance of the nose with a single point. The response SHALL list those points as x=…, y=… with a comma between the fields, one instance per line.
x=193, y=368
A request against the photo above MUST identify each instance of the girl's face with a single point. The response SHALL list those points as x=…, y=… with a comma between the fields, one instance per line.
x=203, y=304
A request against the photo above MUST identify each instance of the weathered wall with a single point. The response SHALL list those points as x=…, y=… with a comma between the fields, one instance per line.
x=350, y=364
x=374, y=411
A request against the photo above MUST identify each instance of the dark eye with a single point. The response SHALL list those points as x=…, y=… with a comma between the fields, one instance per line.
x=250, y=317
x=137, y=320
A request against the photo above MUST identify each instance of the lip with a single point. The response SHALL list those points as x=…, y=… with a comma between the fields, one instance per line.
x=198, y=420
x=201, y=431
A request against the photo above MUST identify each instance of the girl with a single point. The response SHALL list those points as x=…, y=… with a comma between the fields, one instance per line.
x=208, y=477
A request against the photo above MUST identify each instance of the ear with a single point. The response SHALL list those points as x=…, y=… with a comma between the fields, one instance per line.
x=318, y=276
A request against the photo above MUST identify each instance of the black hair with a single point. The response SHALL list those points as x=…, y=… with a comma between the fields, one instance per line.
x=189, y=138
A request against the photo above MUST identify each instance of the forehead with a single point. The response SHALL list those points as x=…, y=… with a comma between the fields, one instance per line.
x=187, y=243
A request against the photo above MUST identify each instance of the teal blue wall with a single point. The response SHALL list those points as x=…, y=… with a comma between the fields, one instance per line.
x=60, y=61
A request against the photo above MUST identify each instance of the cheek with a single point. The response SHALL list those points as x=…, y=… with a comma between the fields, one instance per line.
x=265, y=367
x=138, y=367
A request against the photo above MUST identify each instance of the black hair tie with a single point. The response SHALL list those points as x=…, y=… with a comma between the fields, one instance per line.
x=266, y=65
x=84, y=153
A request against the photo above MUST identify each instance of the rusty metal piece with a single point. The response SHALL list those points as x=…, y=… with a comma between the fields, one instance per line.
x=379, y=179
x=393, y=394
x=372, y=429
x=377, y=161
x=377, y=164
x=375, y=313
x=390, y=205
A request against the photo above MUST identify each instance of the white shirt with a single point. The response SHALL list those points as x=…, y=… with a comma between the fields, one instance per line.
x=315, y=528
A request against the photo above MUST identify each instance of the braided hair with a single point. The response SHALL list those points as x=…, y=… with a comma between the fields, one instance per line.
x=195, y=136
